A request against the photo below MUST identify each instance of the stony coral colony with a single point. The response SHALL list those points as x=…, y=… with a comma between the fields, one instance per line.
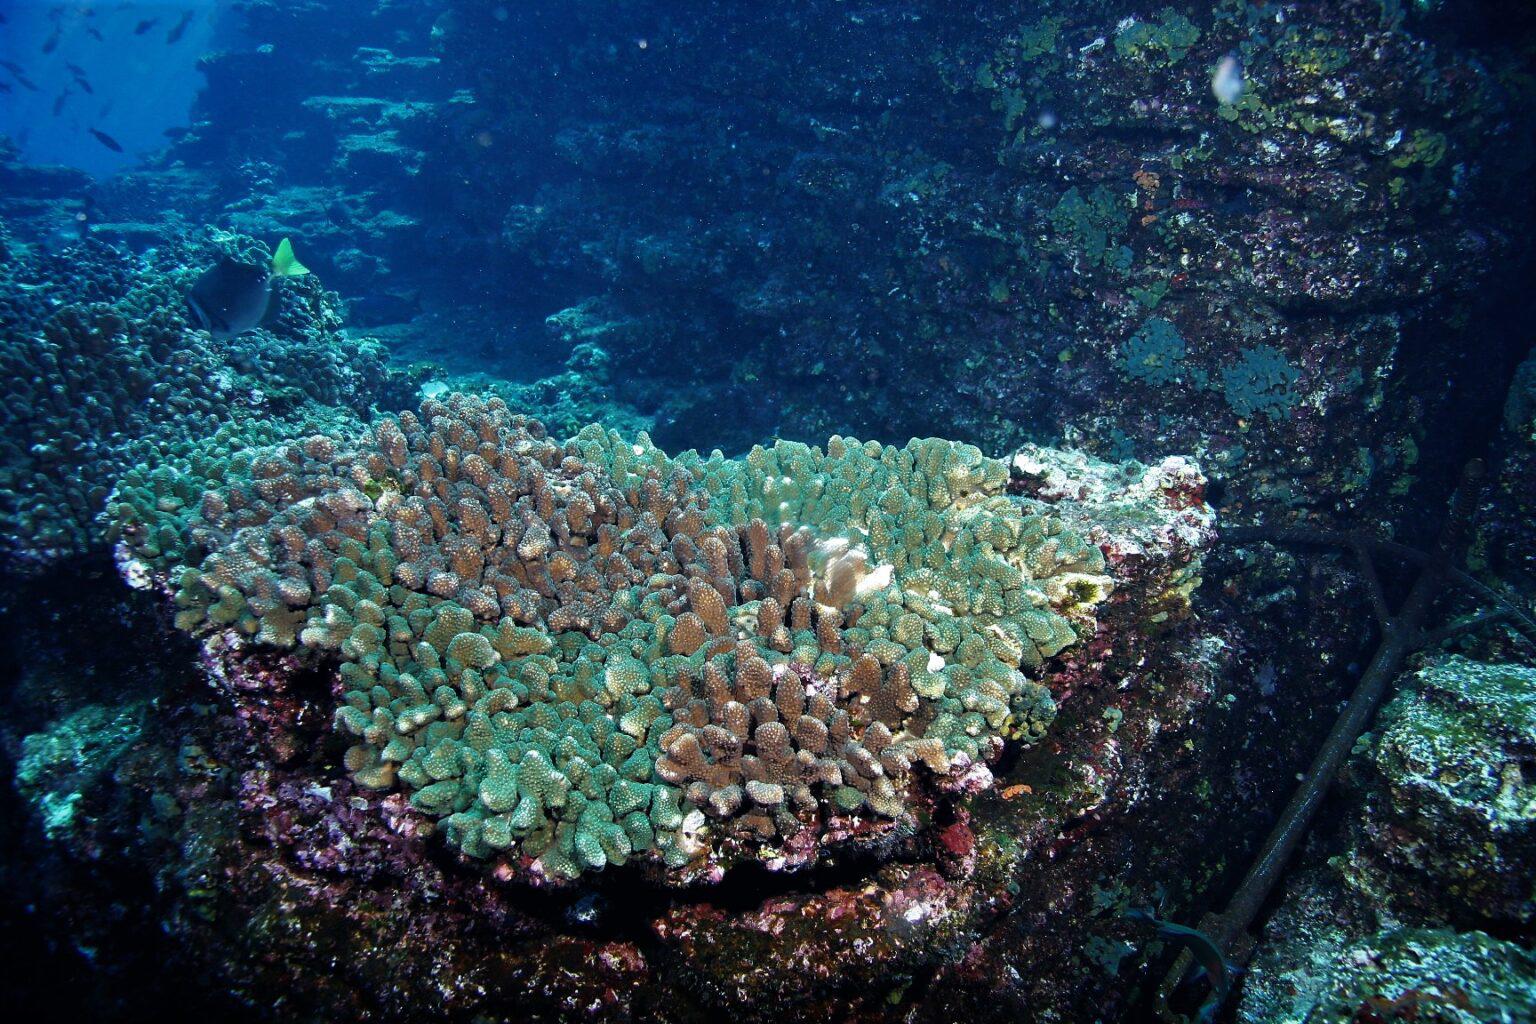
x=579, y=654
x=572, y=654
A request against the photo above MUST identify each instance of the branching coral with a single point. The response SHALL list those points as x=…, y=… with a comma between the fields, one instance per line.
x=577, y=654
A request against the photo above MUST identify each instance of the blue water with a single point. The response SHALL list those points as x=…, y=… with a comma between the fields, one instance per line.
x=138, y=85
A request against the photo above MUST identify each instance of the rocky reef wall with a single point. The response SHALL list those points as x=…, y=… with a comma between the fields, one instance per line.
x=451, y=706
x=890, y=220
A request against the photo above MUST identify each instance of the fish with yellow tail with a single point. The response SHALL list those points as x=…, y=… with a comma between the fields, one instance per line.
x=231, y=297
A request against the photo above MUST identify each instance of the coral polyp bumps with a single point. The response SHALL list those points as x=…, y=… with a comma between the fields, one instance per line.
x=579, y=654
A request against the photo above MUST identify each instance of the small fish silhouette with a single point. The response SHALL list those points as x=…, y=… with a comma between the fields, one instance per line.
x=58, y=104
x=179, y=29
x=6, y=87
x=95, y=33
x=106, y=140
x=52, y=42
x=27, y=83
x=145, y=26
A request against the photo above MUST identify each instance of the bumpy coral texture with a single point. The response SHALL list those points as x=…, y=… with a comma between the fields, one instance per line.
x=578, y=654
x=105, y=374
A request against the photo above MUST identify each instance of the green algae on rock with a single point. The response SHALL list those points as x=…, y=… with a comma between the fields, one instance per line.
x=577, y=654
x=1155, y=354
x=59, y=763
x=1261, y=381
x=1408, y=974
x=1452, y=807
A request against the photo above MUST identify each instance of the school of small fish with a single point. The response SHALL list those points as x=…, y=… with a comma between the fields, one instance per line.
x=64, y=19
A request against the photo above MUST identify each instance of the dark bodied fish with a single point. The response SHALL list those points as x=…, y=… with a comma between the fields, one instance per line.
x=231, y=297
x=95, y=33
x=18, y=74
x=1206, y=953
x=145, y=26
x=51, y=43
x=179, y=29
x=6, y=87
x=58, y=104
x=106, y=140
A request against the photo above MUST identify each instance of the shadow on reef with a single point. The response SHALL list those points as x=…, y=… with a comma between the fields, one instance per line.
x=78, y=926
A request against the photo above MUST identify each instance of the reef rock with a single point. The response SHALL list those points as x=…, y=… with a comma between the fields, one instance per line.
x=666, y=698
x=107, y=375
x=1395, y=917
x=1449, y=819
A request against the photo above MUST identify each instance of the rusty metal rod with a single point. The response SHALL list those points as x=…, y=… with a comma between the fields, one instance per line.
x=1402, y=634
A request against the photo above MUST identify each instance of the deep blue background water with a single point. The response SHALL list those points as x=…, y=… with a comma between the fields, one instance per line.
x=142, y=83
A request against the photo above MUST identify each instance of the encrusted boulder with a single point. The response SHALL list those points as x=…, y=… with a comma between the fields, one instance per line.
x=1397, y=974
x=1403, y=912
x=644, y=673
x=1449, y=819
